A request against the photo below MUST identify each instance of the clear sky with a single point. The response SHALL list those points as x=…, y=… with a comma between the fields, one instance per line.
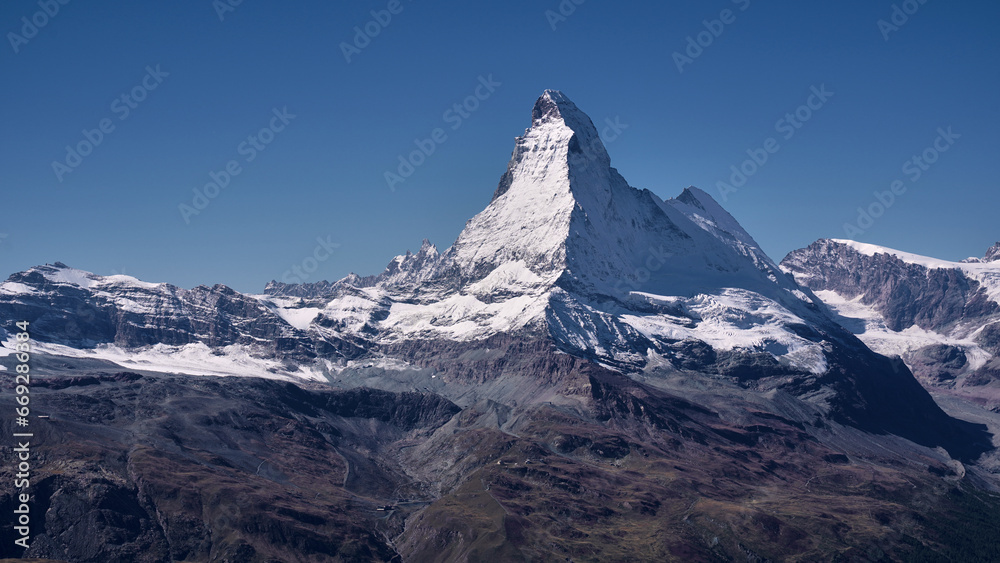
x=199, y=88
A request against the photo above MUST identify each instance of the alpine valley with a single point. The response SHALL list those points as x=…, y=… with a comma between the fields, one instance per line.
x=589, y=373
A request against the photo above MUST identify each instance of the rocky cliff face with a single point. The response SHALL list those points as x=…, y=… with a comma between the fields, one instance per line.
x=993, y=254
x=942, y=318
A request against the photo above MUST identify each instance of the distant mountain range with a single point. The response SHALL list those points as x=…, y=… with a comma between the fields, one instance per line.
x=589, y=372
x=942, y=318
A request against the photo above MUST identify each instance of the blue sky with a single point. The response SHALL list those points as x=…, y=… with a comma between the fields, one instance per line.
x=198, y=86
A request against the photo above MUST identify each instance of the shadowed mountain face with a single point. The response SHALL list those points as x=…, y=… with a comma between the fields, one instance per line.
x=589, y=373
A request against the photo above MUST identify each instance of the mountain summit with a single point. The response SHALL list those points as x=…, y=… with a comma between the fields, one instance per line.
x=562, y=212
x=993, y=254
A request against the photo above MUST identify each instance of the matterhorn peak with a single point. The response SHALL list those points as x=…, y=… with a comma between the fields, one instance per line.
x=553, y=105
x=553, y=108
x=559, y=169
x=561, y=142
x=561, y=212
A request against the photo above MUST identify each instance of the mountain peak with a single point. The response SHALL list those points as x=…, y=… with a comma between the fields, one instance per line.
x=551, y=105
x=993, y=254
x=704, y=211
x=563, y=215
x=554, y=107
x=559, y=130
x=559, y=169
x=698, y=198
x=427, y=248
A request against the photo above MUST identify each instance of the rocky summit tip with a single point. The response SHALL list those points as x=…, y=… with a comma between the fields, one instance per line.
x=552, y=103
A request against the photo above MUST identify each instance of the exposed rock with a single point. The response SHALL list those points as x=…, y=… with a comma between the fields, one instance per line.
x=942, y=318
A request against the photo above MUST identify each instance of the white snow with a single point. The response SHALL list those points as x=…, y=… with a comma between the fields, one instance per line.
x=120, y=280
x=15, y=288
x=291, y=310
x=909, y=258
x=71, y=276
x=510, y=276
x=464, y=317
x=300, y=317
x=736, y=319
x=191, y=359
x=880, y=338
x=355, y=310
x=89, y=280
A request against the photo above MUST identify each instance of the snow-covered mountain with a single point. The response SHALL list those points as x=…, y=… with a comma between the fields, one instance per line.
x=634, y=362
x=565, y=253
x=941, y=317
x=566, y=247
x=156, y=326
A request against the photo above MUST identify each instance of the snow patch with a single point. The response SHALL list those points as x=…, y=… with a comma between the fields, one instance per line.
x=733, y=319
x=15, y=288
x=464, y=317
x=507, y=277
x=880, y=338
x=291, y=310
x=189, y=359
